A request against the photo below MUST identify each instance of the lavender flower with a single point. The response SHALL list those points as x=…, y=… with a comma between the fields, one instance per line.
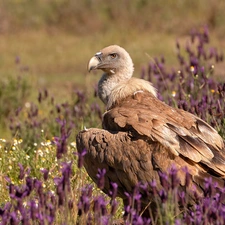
x=101, y=178
x=61, y=142
x=81, y=155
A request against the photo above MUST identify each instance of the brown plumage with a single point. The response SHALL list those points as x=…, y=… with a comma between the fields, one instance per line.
x=141, y=135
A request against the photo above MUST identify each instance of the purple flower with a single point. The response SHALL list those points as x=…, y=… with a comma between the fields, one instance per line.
x=81, y=155
x=164, y=180
x=174, y=179
x=113, y=190
x=61, y=142
x=45, y=173
x=101, y=178
x=17, y=60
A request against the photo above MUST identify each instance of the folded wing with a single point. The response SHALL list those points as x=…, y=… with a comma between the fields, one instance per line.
x=180, y=132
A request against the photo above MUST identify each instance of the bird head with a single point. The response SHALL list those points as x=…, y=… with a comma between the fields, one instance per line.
x=112, y=59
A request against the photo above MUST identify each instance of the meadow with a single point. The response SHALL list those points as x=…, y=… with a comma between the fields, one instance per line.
x=47, y=97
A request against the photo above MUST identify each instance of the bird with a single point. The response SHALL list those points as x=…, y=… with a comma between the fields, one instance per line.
x=142, y=136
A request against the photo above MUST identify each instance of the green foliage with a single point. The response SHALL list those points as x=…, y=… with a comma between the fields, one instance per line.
x=13, y=95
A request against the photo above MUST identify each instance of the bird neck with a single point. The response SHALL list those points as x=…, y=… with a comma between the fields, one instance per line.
x=108, y=82
x=128, y=88
x=115, y=87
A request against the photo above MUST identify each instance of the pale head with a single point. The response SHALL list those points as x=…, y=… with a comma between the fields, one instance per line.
x=112, y=59
x=116, y=82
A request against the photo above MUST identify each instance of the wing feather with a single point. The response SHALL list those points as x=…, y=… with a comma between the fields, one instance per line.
x=177, y=130
x=121, y=158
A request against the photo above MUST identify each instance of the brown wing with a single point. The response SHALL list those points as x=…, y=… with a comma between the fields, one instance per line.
x=119, y=154
x=176, y=130
x=129, y=160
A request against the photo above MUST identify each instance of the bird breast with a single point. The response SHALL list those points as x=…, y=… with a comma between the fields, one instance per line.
x=128, y=88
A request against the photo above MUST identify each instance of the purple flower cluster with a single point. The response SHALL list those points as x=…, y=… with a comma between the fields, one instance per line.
x=61, y=142
x=172, y=204
x=30, y=203
x=193, y=84
x=42, y=116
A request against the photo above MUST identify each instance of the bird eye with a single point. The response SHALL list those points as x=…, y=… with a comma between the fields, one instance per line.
x=113, y=55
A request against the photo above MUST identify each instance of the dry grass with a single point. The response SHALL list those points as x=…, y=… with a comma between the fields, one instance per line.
x=58, y=60
x=55, y=39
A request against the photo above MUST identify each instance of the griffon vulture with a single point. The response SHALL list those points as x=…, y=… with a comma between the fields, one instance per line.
x=142, y=135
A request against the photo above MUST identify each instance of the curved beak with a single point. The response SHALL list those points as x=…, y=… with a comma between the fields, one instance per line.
x=93, y=63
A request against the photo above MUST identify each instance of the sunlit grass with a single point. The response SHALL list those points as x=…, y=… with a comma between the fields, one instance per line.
x=43, y=165
x=59, y=60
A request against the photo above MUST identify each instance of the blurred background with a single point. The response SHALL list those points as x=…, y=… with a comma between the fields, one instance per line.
x=51, y=41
